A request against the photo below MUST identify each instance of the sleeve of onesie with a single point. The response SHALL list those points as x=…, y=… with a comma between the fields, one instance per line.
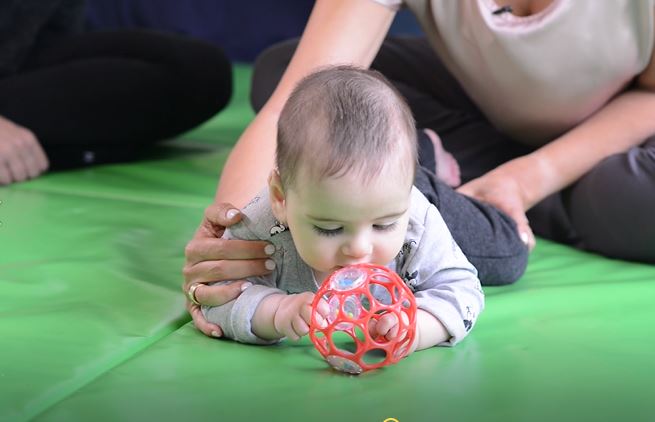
x=444, y=282
x=235, y=317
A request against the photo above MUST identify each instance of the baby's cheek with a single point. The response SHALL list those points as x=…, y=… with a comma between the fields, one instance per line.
x=390, y=250
x=321, y=262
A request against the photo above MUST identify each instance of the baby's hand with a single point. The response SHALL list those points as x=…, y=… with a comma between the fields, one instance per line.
x=293, y=315
x=386, y=326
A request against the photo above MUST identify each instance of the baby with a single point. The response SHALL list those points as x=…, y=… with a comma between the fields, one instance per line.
x=342, y=194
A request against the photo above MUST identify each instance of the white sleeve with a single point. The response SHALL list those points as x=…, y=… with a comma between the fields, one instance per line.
x=235, y=317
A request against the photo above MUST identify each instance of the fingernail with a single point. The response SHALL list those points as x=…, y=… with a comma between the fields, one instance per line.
x=232, y=213
x=216, y=334
x=270, y=264
x=245, y=285
x=524, y=237
x=269, y=249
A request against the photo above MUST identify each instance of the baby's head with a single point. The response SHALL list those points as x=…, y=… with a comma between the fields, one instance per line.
x=346, y=158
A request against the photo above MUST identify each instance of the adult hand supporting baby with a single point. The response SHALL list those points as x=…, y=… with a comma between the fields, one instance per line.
x=210, y=258
x=504, y=191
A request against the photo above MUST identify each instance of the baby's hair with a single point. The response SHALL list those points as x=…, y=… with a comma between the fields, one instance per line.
x=344, y=119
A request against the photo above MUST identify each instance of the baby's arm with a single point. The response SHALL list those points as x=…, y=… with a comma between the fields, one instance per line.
x=281, y=315
x=429, y=330
x=448, y=293
x=235, y=317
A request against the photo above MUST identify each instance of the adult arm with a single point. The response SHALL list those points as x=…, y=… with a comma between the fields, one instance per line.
x=210, y=258
x=519, y=184
x=338, y=32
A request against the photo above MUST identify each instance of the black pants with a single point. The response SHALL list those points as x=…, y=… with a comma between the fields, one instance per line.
x=105, y=96
x=610, y=210
x=487, y=237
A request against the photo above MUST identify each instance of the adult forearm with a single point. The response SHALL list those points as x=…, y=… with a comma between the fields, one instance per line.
x=338, y=32
x=250, y=162
x=623, y=123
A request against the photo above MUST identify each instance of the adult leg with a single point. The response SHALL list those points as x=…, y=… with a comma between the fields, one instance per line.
x=613, y=206
x=486, y=236
x=102, y=97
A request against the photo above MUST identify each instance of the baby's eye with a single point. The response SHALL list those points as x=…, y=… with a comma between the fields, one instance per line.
x=385, y=227
x=327, y=232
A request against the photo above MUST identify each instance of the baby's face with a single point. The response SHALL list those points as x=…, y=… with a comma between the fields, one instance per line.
x=341, y=221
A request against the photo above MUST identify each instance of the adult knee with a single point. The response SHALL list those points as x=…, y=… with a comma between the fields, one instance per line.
x=612, y=207
x=192, y=72
x=204, y=77
x=268, y=69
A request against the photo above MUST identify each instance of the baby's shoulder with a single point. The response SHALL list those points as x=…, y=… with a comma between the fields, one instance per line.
x=258, y=221
x=421, y=211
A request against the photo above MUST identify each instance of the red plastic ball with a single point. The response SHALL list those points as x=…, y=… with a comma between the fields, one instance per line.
x=358, y=296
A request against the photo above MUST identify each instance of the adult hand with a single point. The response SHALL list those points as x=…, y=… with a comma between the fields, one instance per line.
x=503, y=191
x=210, y=258
x=21, y=155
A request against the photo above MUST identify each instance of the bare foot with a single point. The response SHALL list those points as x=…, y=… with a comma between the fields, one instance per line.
x=447, y=168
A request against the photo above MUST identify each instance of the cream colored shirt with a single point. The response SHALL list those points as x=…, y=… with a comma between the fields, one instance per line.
x=538, y=76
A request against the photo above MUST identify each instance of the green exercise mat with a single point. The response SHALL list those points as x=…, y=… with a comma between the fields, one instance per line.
x=93, y=328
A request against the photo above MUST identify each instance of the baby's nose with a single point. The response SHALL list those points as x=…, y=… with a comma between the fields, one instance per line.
x=358, y=248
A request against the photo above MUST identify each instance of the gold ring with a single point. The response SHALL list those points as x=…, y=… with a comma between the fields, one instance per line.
x=191, y=293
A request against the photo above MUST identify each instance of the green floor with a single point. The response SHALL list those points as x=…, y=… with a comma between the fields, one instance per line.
x=92, y=325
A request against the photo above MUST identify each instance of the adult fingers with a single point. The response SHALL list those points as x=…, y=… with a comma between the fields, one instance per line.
x=17, y=170
x=527, y=236
x=206, y=327
x=5, y=175
x=210, y=271
x=31, y=153
x=216, y=218
x=14, y=156
x=40, y=159
x=467, y=189
x=219, y=294
x=523, y=227
x=211, y=249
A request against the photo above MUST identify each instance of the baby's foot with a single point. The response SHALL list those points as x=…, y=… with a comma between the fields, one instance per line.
x=447, y=168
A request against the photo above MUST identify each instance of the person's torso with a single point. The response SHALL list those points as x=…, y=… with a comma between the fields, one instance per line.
x=537, y=76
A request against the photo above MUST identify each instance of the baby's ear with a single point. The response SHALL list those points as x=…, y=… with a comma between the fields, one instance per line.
x=277, y=198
